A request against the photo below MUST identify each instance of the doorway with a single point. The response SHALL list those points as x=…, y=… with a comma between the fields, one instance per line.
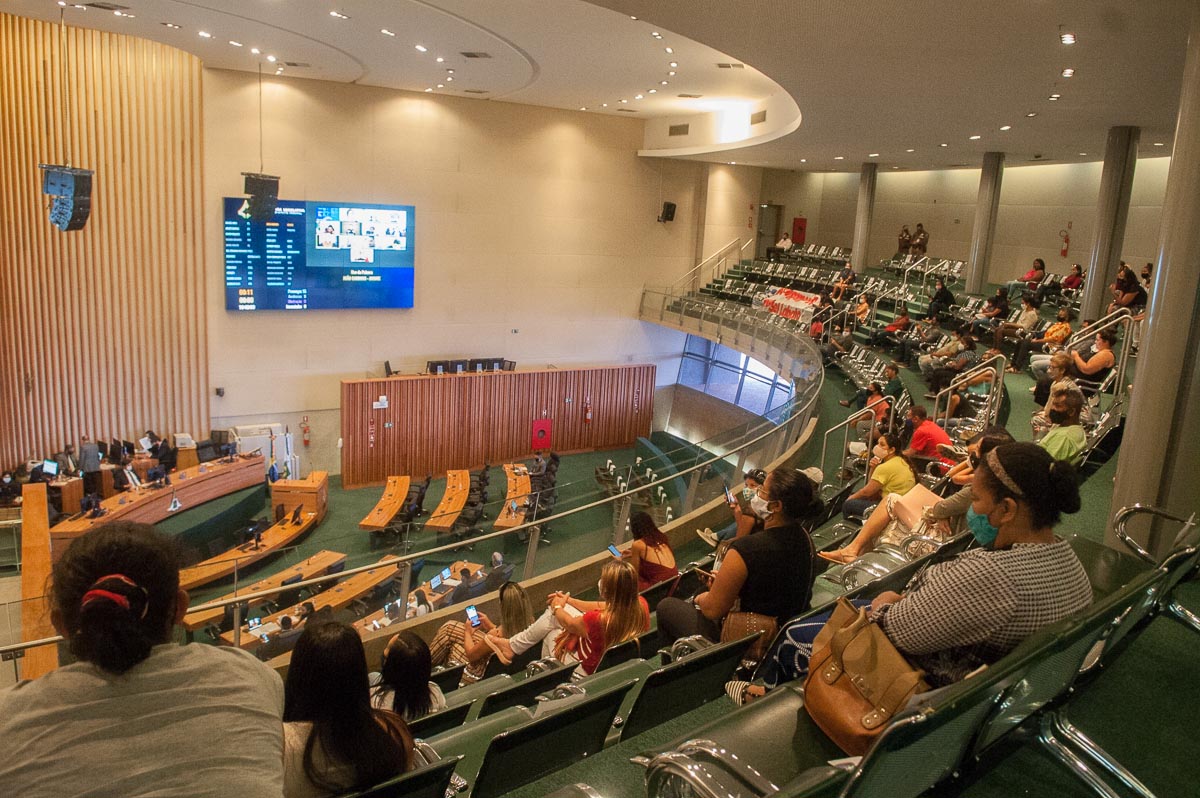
x=770, y=217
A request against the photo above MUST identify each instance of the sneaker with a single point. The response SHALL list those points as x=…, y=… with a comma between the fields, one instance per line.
x=1033, y=389
x=955, y=453
x=708, y=536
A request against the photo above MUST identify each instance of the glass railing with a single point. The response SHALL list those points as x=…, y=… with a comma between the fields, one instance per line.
x=591, y=513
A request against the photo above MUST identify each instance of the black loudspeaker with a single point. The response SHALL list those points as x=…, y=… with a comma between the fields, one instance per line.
x=72, y=192
x=264, y=195
x=668, y=212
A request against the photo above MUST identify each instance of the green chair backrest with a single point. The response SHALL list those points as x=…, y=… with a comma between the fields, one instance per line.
x=470, y=693
x=684, y=685
x=430, y=781
x=524, y=754
x=523, y=693
x=448, y=678
x=438, y=722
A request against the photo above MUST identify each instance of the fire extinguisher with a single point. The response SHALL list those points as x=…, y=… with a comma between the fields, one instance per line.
x=1066, y=239
x=304, y=428
x=587, y=412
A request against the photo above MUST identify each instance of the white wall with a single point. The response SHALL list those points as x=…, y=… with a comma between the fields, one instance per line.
x=1036, y=202
x=800, y=194
x=536, y=231
x=731, y=210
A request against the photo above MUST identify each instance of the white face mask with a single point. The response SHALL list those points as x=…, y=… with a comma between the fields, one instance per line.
x=879, y=451
x=758, y=506
x=7, y=480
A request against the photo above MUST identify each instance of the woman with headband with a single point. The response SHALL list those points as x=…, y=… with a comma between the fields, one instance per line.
x=973, y=609
x=137, y=714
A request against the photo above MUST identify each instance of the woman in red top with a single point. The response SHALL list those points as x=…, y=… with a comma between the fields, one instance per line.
x=650, y=553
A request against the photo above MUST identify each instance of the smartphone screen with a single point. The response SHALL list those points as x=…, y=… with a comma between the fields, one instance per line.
x=728, y=495
x=614, y=551
x=473, y=615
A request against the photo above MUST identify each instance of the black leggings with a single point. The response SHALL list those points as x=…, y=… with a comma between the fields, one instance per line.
x=678, y=618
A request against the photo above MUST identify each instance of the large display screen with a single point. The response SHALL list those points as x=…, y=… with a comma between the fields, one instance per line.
x=319, y=255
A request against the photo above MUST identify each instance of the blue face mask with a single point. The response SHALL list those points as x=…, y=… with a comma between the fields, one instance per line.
x=981, y=528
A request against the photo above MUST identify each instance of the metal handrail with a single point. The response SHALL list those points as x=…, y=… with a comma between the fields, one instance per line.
x=688, y=278
x=1121, y=317
x=1121, y=520
x=799, y=407
x=845, y=425
x=996, y=364
x=916, y=264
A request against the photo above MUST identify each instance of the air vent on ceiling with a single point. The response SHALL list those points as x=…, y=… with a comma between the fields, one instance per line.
x=758, y=117
x=297, y=64
x=731, y=66
x=474, y=91
x=107, y=6
x=627, y=110
x=691, y=96
x=678, y=130
x=476, y=55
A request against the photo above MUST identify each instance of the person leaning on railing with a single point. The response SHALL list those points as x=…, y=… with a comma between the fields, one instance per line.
x=138, y=715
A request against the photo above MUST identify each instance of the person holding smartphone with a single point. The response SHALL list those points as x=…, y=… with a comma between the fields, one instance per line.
x=650, y=552
x=458, y=641
x=746, y=521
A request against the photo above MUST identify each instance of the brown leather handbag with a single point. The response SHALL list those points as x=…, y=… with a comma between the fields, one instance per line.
x=857, y=680
x=738, y=625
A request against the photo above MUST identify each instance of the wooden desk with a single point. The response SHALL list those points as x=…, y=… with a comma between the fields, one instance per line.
x=35, y=569
x=336, y=597
x=187, y=457
x=70, y=492
x=192, y=486
x=311, y=493
x=391, y=503
x=366, y=623
x=277, y=536
x=107, y=488
x=518, y=491
x=315, y=565
x=142, y=463
x=458, y=485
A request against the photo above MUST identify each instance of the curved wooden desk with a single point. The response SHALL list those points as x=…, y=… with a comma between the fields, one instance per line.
x=315, y=565
x=192, y=486
x=458, y=485
x=436, y=600
x=336, y=597
x=276, y=537
x=388, y=506
x=518, y=491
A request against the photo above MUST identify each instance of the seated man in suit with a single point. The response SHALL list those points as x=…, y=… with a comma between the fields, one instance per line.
x=125, y=478
x=462, y=591
x=499, y=574
x=68, y=465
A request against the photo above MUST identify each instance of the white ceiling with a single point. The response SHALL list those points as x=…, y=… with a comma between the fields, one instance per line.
x=869, y=76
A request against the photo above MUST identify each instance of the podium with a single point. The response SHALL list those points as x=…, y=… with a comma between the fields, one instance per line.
x=311, y=493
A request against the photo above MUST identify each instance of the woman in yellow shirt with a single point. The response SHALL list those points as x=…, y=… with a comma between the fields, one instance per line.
x=893, y=474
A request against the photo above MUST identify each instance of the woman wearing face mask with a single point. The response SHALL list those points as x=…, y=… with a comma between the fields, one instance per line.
x=1060, y=379
x=1096, y=368
x=745, y=520
x=942, y=517
x=10, y=491
x=893, y=474
x=620, y=615
x=1053, y=337
x=973, y=609
x=769, y=572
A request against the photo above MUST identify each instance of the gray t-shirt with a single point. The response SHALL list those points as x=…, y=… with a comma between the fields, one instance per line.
x=190, y=720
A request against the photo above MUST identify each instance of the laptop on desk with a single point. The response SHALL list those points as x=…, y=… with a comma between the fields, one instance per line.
x=436, y=586
x=448, y=578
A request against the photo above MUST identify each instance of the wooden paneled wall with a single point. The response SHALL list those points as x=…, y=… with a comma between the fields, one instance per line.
x=461, y=421
x=102, y=330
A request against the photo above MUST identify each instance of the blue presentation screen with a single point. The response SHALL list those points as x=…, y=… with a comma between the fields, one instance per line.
x=319, y=255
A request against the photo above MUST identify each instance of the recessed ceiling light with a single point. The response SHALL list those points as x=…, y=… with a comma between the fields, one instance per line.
x=170, y=25
x=803, y=160
x=1066, y=38
x=653, y=91
x=449, y=79
x=429, y=90
x=1031, y=114
x=656, y=34
x=733, y=163
x=449, y=71
x=1006, y=127
x=338, y=15
x=976, y=137
x=386, y=32
x=910, y=150
x=584, y=108
x=62, y=3
x=631, y=16
x=1054, y=97
x=669, y=50
x=255, y=50
x=638, y=97
x=839, y=157
x=421, y=48
x=674, y=64
x=1158, y=144
x=81, y=8
x=943, y=145
x=672, y=74
x=441, y=85
x=205, y=34
x=440, y=60
x=603, y=105
x=235, y=44
x=271, y=58
x=624, y=101
x=1068, y=72
x=873, y=155
x=1083, y=153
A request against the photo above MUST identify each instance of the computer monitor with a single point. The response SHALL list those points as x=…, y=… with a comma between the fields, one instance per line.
x=128, y=447
x=206, y=451
x=254, y=623
x=447, y=573
x=50, y=468
x=103, y=447
x=478, y=364
x=510, y=365
x=387, y=368
x=437, y=367
x=436, y=582
x=296, y=514
x=459, y=366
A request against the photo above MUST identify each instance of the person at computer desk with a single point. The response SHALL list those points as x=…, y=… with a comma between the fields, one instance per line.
x=538, y=467
x=68, y=465
x=462, y=591
x=10, y=490
x=125, y=478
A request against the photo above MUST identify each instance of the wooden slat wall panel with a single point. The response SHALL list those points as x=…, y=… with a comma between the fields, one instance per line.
x=102, y=331
x=461, y=421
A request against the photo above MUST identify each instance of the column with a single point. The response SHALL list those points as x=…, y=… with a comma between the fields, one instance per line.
x=983, y=234
x=1158, y=455
x=864, y=214
x=1112, y=208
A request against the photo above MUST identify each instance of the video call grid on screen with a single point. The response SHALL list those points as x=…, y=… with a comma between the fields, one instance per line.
x=316, y=255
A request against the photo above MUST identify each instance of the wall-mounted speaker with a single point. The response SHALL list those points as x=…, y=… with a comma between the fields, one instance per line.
x=72, y=193
x=264, y=195
x=668, y=212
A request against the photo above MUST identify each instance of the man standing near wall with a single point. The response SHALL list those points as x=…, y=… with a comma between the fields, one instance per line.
x=89, y=464
x=920, y=241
